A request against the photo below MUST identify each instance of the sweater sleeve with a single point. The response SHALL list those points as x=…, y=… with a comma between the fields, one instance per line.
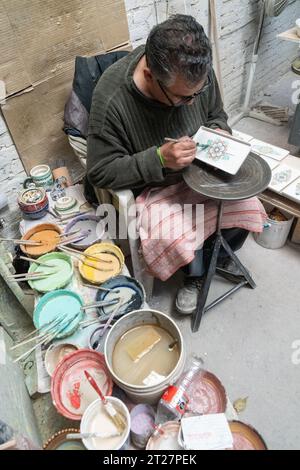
x=111, y=166
x=217, y=117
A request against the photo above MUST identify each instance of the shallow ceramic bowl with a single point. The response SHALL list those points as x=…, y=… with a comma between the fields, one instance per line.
x=102, y=270
x=55, y=353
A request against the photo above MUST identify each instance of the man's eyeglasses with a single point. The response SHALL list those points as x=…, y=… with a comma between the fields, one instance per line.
x=184, y=99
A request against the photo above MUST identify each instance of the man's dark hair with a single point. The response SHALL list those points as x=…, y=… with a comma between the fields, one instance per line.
x=178, y=46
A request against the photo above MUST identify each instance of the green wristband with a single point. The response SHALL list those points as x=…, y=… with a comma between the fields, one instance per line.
x=162, y=161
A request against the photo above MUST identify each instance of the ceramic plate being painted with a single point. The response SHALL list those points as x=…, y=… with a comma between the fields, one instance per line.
x=245, y=437
x=207, y=394
x=110, y=264
x=56, y=277
x=221, y=151
x=86, y=223
x=130, y=292
x=61, y=304
x=70, y=390
x=59, y=441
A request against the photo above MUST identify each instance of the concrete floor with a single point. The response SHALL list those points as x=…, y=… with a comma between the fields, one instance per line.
x=247, y=340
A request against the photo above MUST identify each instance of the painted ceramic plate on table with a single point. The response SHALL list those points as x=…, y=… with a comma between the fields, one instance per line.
x=245, y=437
x=62, y=304
x=110, y=264
x=56, y=277
x=70, y=390
x=46, y=234
x=59, y=441
x=87, y=223
x=207, y=394
x=128, y=289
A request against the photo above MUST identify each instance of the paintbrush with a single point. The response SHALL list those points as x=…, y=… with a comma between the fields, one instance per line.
x=103, y=303
x=70, y=233
x=91, y=435
x=36, y=261
x=27, y=278
x=86, y=263
x=85, y=255
x=21, y=242
x=198, y=145
x=73, y=239
x=101, y=288
x=116, y=417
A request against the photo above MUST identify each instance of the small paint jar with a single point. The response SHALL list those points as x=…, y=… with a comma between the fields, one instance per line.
x=142, y=425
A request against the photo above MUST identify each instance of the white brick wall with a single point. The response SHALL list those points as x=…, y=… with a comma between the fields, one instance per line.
x=237, y=29
x=237, y=22
x=12, y=172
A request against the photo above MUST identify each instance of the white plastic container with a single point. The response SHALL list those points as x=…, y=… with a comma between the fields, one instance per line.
x=275, y=233
x=142, y=393
x=95, y=419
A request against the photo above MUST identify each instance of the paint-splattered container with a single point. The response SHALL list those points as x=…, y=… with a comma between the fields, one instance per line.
x=130, y=291
x=110, y=264
x=87, y=223
x=46, y=234
x=57, y=277
x=142, y=425
x=95, y=419
x=206, y=394
x=149, y=394
x=165, y=438
x=70, y=390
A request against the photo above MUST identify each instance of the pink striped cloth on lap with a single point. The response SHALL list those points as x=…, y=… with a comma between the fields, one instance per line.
x=174, y=221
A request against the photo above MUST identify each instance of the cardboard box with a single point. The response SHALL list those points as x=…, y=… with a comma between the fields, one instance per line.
x=38, y=44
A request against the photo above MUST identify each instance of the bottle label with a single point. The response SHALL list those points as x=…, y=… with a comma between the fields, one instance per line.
x=176, y=398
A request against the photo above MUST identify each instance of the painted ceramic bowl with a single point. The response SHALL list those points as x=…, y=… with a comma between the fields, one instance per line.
x=46, y=234
x=36, y=214
x=59, y=441
x=32, y=200
x=131, y=292
x=58, y=272
x=70, y=390
x=90, y=223
x=110, y=264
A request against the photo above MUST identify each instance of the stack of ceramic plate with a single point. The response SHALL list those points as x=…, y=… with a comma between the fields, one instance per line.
x=66, y=205
x=33, y=203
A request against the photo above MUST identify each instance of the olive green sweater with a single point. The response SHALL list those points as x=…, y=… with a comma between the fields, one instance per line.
x=126, y=127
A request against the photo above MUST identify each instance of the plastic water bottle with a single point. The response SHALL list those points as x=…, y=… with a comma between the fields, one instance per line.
x=173, y=403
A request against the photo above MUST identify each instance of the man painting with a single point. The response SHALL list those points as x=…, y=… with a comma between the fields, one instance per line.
x=164, y=89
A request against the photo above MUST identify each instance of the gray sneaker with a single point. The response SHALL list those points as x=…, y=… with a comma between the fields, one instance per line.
x=186, y=299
